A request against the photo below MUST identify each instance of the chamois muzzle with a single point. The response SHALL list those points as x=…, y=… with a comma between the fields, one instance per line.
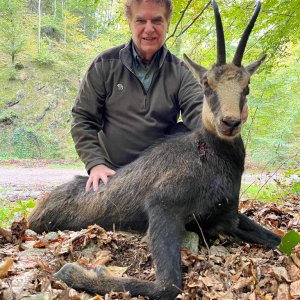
x=230, y=127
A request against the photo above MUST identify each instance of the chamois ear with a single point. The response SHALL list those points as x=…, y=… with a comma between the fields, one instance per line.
x=196, y=69
x=253, y=67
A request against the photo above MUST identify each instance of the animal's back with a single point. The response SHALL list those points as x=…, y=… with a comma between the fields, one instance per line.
x=183, y=172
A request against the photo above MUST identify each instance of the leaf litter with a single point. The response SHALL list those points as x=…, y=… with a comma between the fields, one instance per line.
x=227, y=271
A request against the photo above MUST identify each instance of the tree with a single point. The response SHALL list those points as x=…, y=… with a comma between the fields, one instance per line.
x=12, y=41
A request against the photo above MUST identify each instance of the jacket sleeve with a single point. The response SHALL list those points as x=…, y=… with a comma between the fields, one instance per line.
x=190, y=99
x=87, y=115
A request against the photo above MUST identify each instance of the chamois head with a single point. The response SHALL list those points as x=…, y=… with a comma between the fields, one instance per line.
x=225, y=85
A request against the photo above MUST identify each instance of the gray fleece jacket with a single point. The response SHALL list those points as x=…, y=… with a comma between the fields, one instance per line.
x=115, y=119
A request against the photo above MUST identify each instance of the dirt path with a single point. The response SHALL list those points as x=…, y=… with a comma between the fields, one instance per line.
x=23, y=182
x=36, y=176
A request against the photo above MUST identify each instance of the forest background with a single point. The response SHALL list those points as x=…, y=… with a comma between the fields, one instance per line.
x=46, y=47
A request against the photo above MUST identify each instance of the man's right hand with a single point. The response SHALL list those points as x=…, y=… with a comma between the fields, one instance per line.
x=99, y=172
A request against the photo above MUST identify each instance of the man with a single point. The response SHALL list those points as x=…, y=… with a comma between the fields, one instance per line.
x=132, y=95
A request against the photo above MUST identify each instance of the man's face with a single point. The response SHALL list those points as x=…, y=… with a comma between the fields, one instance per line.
x=149, y=27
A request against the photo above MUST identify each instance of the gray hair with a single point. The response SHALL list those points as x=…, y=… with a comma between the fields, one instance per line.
x=167, y=3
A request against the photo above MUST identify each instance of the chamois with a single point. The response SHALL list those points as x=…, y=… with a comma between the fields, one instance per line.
x=193, y=174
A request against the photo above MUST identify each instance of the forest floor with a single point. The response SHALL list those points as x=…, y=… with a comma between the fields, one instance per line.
x=225, y=270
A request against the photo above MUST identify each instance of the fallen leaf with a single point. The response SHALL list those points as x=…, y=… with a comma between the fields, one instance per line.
x=281, y=274
x=279, y=232
x=295, y=259
x=116, y=271
x=40, y=244
x=18, y=229
x=289, y=241
x=97, y=298
x=6, y=234
x=5, y=266
x=295, y=288
x=44, y=266
x=268, y=297
x=283, y=292
x=294, y=272
x=83, y=261
x=243, y=282
x=103, y=257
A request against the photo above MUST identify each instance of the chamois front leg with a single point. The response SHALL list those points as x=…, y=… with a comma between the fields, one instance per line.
x=251, y=232
x=165, y=232
x=165, y=235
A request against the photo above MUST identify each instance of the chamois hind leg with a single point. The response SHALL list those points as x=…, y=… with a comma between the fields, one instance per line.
x=164, y=235
x=251, y=232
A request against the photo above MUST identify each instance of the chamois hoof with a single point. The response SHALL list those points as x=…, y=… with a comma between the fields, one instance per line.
x=76, y=276
x=67, y=272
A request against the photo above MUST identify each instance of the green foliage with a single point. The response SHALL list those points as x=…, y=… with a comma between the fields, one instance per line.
x=8, y=117
x=12, y=41
x=289, y=241
x=27, y=143
x=44, y=57
x=11, y=211
x=12, y=74
x=282, y=189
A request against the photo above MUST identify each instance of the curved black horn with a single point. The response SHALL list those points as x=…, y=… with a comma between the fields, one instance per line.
x=237, y=60
x=221, y=53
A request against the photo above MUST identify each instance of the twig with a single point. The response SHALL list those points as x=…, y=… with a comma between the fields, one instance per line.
x=180, y=19
x=270, y=177
x=202, y=234
x=275, y=172
x=191, y=23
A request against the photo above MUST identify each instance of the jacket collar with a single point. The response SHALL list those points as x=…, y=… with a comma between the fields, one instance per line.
x=127, y=58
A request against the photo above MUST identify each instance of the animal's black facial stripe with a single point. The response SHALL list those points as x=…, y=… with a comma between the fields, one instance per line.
x=213, y=101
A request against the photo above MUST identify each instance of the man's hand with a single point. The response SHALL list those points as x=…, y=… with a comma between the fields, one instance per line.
x=99, y=172
x=245, y=112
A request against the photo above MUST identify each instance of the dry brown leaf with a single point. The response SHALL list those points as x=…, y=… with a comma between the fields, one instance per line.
x=97, y=298
x=252, y=296
x=283, y=292
x=294, y=272
x=295, y=289
x=18, y=229
x=6, y=234
x=83, y=261
x=40, y=244
x=279, y=232
x=116, y=271
x=236, y=276
x=243, y=282
x=5, y=266
x=252, y=271
x=211, y=282
x=44, y=266
x=281, y=274
x=295, y=259
x=103, y=257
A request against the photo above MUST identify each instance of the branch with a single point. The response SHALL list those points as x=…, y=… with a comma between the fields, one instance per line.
x=180, y=19
x=189, y=25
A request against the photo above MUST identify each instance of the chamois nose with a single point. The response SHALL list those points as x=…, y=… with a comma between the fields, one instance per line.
x=231, y=123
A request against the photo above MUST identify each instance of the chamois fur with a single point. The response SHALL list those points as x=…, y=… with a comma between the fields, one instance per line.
x=192, y=174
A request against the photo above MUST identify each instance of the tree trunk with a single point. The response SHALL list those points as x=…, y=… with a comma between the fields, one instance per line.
x=54, y=9
x=39, y=28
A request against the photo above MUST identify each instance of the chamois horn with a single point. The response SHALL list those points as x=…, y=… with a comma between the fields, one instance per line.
x=237, y=60
x=221, y=52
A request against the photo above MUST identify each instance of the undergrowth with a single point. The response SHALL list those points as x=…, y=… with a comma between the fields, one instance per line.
x=14, y=211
